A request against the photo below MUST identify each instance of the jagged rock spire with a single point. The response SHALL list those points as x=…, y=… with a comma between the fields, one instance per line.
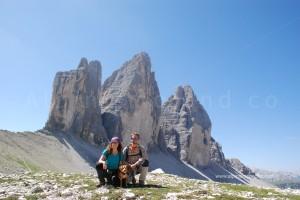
x=131, y=101
x=75, y=103
x=185, y=128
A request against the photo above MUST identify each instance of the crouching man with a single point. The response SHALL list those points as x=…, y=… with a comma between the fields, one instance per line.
x=136, y=156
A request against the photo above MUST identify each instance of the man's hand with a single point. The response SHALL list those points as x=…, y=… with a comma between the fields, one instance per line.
x=133, y=166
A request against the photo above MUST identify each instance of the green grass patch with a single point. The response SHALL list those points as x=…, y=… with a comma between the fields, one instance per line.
x=82, y=198
x=32, y=197
x=94, y=197
x=194, y=194
x=91, y=185
x=228, y=197
x=114, y=194
x=155, y=193
x=7, y=180
x=13, y=197
x=293, y=197
x=66, y=181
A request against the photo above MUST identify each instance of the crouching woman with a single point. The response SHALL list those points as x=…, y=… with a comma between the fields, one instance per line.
x=108, y=164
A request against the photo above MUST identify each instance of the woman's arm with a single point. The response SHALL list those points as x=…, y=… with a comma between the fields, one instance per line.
x=102, y=160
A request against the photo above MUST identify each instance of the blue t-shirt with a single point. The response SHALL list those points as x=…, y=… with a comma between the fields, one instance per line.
x=112, y=160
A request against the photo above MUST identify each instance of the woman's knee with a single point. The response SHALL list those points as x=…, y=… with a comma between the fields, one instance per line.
x=99, y=167
x=99, y=164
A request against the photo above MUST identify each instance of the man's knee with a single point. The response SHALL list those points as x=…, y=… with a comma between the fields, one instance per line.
x=100, y=169
x=144, y=169
x=145, y=163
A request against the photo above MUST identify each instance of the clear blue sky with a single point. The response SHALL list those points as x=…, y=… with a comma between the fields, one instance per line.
x=241, y=57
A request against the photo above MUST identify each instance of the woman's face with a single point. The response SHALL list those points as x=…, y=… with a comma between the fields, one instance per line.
x=114, y=145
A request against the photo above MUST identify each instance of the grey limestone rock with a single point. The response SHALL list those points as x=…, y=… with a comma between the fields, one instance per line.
x=216, y=153
x=239, y=166
x=185, y=128
x=75, y=103
x=130, y=101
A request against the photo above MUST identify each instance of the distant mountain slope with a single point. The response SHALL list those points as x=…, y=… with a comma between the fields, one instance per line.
x=36, y=151
x=279, y=178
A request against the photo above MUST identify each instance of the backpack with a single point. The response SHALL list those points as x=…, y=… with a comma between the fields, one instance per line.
x=144, y=164
x=126, y=152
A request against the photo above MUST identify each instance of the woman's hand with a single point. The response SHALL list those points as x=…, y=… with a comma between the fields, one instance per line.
x=102, y=161
x=104, y=165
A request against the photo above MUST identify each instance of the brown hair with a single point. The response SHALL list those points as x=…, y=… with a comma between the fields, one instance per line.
x=109, y=148
x=135, y=133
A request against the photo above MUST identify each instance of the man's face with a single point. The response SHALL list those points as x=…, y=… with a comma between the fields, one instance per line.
x=134, y=139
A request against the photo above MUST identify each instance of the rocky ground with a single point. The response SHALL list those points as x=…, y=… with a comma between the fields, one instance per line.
x=51, y=185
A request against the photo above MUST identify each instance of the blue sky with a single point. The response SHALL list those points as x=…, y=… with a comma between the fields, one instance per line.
x=241, y=58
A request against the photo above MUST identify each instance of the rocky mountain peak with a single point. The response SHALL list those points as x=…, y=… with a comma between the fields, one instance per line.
x=131, y=101
x=140, y=63
x=83, y=63
x=179, y=94
x=75, y=103
x=142, y=58
x=185, y=128
x=238, y=165
x=185, y=92
x=132, y=72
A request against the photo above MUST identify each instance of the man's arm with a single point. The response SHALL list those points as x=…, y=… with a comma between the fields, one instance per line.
x=125, y=154
x=144, y=156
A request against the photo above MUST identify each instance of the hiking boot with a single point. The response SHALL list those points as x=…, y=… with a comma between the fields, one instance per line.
x=100, y=184
x=141, y=183
x=115, y=181
x=133, y=181
x=109, y=183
